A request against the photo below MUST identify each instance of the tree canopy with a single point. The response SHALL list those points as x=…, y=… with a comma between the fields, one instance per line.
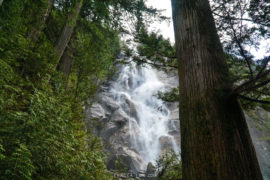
x=54, y=54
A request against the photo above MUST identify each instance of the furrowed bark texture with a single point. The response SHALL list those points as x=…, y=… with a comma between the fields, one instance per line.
x=67, y=31
x=215, y=141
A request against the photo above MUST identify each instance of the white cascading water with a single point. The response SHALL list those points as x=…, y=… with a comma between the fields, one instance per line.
x=140, y=85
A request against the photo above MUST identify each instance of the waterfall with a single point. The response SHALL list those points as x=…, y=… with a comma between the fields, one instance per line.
x=149, y=125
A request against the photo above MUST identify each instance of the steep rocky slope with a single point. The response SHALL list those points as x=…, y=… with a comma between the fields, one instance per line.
x=115, y=117
x=111, y=119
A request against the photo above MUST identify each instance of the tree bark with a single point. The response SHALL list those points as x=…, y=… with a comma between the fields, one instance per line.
x=40, y=25
x=67, y=31
x=66, y=62
x=215, y=141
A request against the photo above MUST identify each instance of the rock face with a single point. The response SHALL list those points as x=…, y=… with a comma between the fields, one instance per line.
x=259, y=127
x=165, y=143
x=170, y=78
x=108, y=121
x=112, y=120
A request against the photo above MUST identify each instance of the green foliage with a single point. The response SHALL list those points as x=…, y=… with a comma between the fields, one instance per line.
x=2, y=156
x=259, y=12
x=169, y=96
x=242, y=27
x=120, y=165
x=239, y=74
x=42, y=131
x=152, y=49
x=155, y=47
x=238, y=71
x=266, y=106
x=54, y=145
x=18, y=164
x=95, y=50
x=169, y=166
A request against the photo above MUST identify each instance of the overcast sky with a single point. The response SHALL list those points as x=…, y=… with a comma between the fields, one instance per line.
x=167, y=29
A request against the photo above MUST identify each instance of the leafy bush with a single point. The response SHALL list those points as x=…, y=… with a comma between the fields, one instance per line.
x=169, y=166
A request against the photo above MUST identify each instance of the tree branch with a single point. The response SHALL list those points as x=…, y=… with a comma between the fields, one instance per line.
x=247, y=84
x=154, y=64
x=242, y=51
x=145, y=62
x=240, y=19
x=248, y=89
x=253, y=100
x=263, y=93
x=264, y=66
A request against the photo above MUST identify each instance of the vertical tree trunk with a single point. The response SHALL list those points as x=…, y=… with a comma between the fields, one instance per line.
x=67, y=31
x=66, y=62
x=215, y=141
x=40, y=25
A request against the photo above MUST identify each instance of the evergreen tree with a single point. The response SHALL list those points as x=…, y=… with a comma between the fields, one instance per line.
x=43, y=92
x=215, y=141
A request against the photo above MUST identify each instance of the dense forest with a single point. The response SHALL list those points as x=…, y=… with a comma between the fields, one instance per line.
x=55, y=54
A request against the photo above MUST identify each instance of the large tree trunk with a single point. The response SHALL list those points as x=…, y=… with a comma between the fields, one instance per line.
x=67, y=31
x=215, y=141
x=66, y=62
x=40, y=24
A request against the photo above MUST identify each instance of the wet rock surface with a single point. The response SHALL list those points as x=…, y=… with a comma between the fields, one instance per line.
x=111, y=121
x=166, y=143
x=107, y=120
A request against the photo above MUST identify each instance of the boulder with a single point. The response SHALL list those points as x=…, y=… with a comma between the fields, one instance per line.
x=117, y=121
x=128, y=106
x=109, y=130
x=109, y=103
x=119, y=116
x=96, y=111
x=124, y=158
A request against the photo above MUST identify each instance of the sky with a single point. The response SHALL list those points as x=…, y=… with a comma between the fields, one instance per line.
x=167, y=29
